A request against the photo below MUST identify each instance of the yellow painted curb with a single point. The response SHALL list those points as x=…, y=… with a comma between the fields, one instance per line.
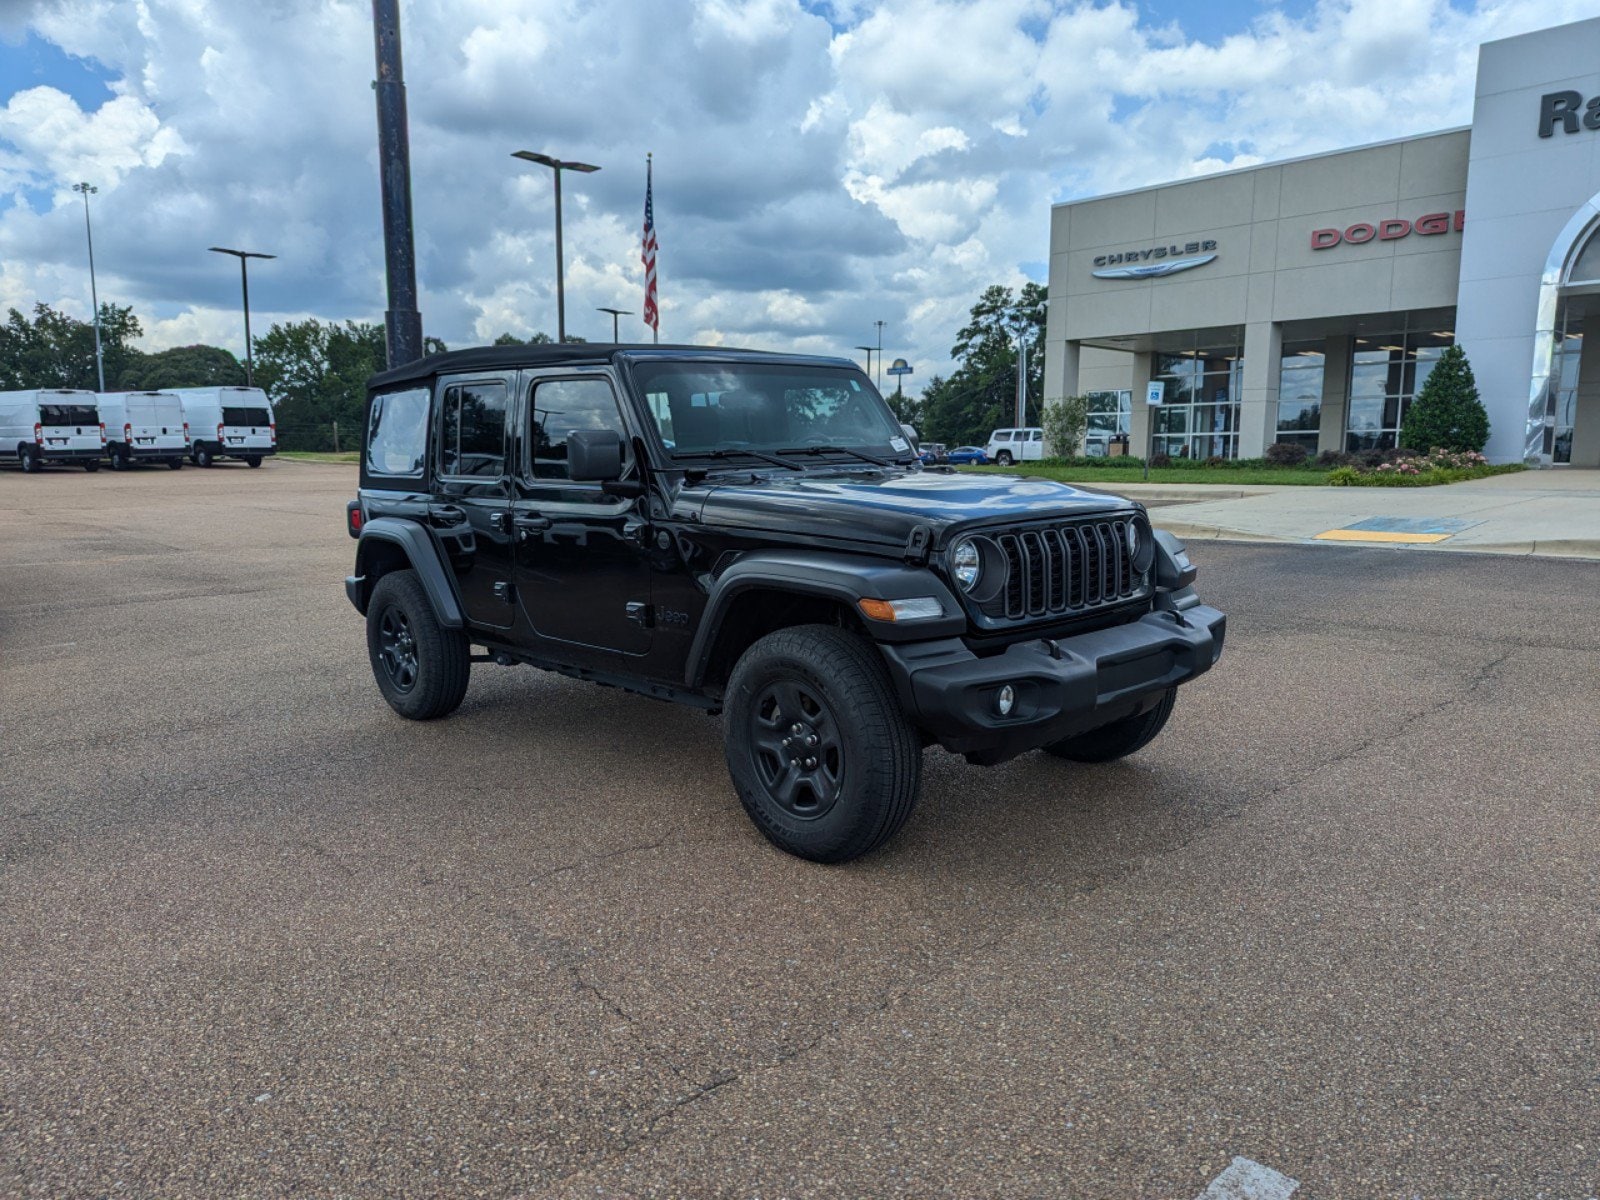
x=1378, y=535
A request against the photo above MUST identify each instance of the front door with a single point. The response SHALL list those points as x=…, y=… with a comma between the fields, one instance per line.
x=469, y=509
x=583, y=575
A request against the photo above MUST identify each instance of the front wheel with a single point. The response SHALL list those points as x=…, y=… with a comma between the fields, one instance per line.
x=421, y=667
x=120, y=461
x=825, y=762
x=28, y=457
x=1118, y=739
x=1003, y=458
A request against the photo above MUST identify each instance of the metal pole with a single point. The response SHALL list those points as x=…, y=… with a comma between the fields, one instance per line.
x=1022, y=380
x=402, y=322
x=879, y=324
x=94, y=295
x=244, y=282
x=561, y=284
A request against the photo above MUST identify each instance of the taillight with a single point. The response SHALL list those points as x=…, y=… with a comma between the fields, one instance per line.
x=352, y=512
x=127, y=433
x=186, y=433
x=38, y=433
x=219, y=434
x=102, y=433
x=273, y=430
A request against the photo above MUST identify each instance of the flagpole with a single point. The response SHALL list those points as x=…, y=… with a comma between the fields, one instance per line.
x=649, y=184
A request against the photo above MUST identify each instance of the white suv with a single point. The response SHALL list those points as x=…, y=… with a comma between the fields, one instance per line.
x=1007, y=446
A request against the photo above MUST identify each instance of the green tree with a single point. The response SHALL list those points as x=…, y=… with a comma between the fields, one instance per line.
x=316, y=374
x=1447, y=412
x=53, y=350
x=980, y=394
x=181, y=366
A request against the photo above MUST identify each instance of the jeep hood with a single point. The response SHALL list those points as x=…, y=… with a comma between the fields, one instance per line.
x=884, y=506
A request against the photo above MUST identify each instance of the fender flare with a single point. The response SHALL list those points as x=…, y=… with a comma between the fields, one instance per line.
x=842, y=577
x=418, y=546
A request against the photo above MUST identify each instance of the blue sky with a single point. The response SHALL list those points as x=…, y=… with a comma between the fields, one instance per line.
x=820, y=165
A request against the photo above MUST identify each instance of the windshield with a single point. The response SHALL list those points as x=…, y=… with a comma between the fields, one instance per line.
x=701, y=408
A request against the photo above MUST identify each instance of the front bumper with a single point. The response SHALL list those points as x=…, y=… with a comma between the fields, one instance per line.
x=1063, y=686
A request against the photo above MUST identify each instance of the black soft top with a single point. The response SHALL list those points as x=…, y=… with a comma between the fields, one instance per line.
x=500, y=358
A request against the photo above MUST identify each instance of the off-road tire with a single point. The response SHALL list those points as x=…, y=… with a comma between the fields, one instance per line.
x=441, y=665
x=253, y=460
x=28, y=460
x=203, y=457
x=872, y=765
x=91, y=464
x=1004, y=458
x=1119, y=739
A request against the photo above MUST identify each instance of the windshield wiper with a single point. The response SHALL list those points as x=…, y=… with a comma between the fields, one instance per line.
x=722, y=454
x=850, y=450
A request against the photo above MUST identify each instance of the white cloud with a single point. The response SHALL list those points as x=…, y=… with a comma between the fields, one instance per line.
x=819, y=167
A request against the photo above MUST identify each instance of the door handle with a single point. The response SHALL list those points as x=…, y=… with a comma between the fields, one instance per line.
x=446, y=514
x=526, y=523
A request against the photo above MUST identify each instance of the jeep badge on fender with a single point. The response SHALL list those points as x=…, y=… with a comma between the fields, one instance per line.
x=753, y=534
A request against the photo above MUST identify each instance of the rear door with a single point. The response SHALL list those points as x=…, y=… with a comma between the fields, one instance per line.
x=155, y=423
x=469, y=507
x=246, y=427
x=69, y=426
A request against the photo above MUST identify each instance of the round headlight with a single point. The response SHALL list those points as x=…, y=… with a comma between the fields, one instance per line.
x=1141, y=544
x=1133, y=539
x=966, y=564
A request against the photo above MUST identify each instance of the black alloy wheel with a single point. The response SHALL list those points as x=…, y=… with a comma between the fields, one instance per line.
x=798, y=753
x=421, y=667
x=397, y=648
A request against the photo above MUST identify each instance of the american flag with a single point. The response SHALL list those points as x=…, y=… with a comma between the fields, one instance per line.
x=652, y=314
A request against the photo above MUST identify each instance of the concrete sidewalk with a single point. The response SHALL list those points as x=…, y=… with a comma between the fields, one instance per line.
x=1532, y=512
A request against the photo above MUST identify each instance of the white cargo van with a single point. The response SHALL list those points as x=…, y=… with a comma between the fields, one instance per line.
x=50, y=425
x=229, y=422
x=1007, y=446
x=144, y=427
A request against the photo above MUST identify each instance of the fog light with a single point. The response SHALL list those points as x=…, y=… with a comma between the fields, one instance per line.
x=1006, y=700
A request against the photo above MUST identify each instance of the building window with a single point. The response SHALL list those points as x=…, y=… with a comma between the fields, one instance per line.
x=1300, y=394
x=1386, y=372
x=1110, y=420
x=1199, y=413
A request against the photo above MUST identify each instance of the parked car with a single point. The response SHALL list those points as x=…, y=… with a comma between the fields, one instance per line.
x=1007, y=446
x=931, y=453
x=229, y=422
x=967, y=456
x=144, y=427
x=787, y=562
x=51, y=425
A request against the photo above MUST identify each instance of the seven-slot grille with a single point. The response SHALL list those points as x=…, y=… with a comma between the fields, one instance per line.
x=1067, y=568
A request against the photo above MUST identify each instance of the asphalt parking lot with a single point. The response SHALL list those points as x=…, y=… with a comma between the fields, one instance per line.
x=260, y=937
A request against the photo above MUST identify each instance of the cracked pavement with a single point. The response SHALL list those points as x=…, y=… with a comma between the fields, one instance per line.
x=259, y=937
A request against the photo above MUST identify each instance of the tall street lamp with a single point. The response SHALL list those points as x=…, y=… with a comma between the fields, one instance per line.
x=558, y=166
x=880, y=325
x=1022, y=328
x=86, y=190
x=615, y=313
x=870, y=351
x=244, y=279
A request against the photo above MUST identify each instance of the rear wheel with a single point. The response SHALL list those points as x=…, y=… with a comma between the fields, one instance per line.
x=175, y=464
x=29, y=458
x=253, y=460
x=91, y=464
x=421, y=667
x=119, y=460
x=824, y=760
x=1003, y=458
x=203, y=456
x=1120, y=738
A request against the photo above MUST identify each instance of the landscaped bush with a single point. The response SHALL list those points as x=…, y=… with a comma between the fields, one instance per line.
x=1447, y=413
x=1123, y=462
x=1160, y=460
x=1335, y=458
x=1420, y=470
x=1286, y=454
x=1368, y=459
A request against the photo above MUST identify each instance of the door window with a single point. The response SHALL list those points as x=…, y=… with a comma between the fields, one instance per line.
x=560, y=408
x=472, y=431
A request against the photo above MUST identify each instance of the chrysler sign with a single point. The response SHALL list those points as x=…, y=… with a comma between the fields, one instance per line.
x=1154, y=261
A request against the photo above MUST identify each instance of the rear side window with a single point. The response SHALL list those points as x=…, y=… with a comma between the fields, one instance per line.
x=472, y=430
x=68, y=414
x=397, y=433
x=245, y=416
x=1038, y=435
x=1002, y=435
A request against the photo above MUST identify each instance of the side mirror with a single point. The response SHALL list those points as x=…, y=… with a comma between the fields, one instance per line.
x=594, y=455
x=911, y=435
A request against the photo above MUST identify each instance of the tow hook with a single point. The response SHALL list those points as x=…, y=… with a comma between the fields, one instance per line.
x=1051, y=647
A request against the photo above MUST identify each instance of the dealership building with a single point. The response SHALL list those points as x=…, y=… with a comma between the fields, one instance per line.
x=1307, y=300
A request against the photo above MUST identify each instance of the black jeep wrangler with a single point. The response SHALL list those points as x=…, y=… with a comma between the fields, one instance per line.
x=753, y=534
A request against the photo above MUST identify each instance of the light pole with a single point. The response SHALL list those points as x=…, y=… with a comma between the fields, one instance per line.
x=1021, y=330
x=879, y=324
x=86, y=190
x=870, y=350
x=558, y=166
x=615, y=313
x=244, y=281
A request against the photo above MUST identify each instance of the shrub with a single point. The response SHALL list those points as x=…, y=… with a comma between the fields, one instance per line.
x=1216, y=460
x=1064, y=424
x=1400, y=453
x=1335, y=458
x=1447, y=412
x=1286, y=454
x=1160, y=460
x=1369, y=458
x=1344, y=477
